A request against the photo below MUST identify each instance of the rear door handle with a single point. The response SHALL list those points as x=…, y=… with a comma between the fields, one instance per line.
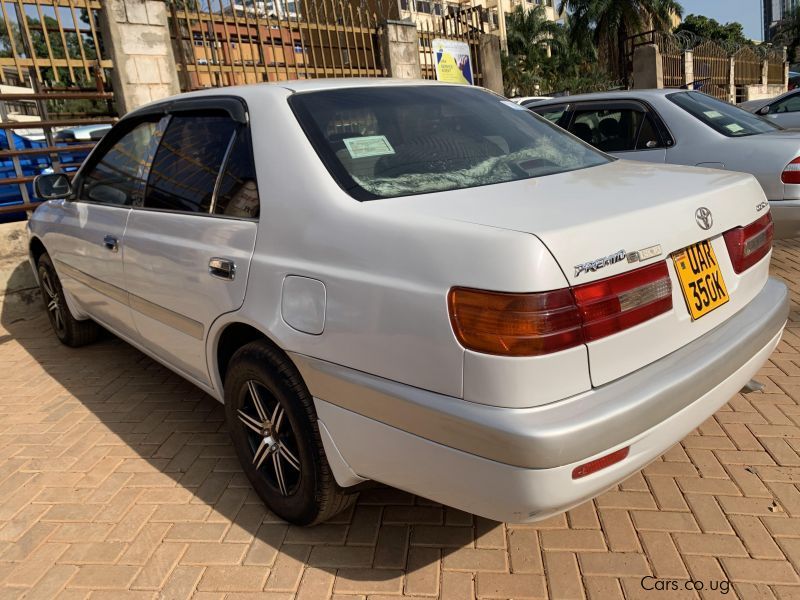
x=111, y=243
x=222, y=268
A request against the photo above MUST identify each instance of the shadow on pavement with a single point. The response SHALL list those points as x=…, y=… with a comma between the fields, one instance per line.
x=149, y=430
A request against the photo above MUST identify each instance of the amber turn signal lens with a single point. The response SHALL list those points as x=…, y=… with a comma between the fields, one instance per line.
x=515, y=324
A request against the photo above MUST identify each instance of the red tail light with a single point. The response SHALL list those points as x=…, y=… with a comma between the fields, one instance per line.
x=748, y=245
x=546, y=322
x=617, y=303
x=791, y=174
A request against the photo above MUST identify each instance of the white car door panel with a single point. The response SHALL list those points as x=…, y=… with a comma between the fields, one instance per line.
x=173, y=293
x=89, y=253
x=189, y=243
x=89, y=262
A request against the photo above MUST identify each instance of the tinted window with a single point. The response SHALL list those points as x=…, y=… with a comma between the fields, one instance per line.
x=187, y=163
x=725, y=118
x=648, y=135
x=118, y=176
x=388, y=141
x=609, y=130
x=552, y=113
x=790, y=104
x=238, y=191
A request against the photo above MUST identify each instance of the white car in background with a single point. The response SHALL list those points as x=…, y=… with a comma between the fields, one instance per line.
x=783, y=110
x=683, y=127
x=423, y=284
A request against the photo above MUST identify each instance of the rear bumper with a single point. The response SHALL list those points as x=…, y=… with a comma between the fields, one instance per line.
x=516, y=464
x=786, y=215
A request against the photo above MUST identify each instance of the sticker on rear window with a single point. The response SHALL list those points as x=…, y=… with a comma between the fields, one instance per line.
x=371, y=145
x=734, y=127
x=712, y=114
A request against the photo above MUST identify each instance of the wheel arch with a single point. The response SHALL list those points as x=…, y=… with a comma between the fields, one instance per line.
x=36, y=249
x=229, y=339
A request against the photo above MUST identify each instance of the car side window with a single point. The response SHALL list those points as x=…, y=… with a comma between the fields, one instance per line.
x=787, y=105
x=117, y=177
x=648, y=135
x=552, y=113
x=237, y=195
x=608, y=130
x=187, y=163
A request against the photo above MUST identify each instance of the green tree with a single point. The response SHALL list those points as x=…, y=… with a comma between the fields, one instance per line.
x=530, y=37
x=711, y=29
x=787, y=33
x=611, y=22
x=542, y=57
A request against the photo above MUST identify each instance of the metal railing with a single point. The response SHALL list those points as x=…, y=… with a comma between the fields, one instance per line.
x=58, y=40
x=243, y=41
x=712, y=67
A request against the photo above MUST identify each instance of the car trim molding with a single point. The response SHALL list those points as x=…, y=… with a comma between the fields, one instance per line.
x=569, y=430
x=159, y=313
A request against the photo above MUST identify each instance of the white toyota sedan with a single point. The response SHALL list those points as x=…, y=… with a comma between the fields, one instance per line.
x=420, y=284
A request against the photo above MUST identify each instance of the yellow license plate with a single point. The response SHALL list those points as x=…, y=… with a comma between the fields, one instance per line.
x=701, y=280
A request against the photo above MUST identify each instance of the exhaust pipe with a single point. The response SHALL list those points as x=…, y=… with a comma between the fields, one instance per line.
x=752, y=386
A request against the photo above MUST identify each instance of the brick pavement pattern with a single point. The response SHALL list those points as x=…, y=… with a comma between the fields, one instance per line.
x=117, y=480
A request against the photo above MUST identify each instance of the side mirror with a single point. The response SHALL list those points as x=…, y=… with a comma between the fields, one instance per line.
x=52, y=186
x=764, y=110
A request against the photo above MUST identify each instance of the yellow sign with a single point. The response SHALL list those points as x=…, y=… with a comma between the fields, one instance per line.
x=452, y=60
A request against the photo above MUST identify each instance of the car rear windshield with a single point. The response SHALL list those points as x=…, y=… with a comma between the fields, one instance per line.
x=725, y=118
x=384, y=142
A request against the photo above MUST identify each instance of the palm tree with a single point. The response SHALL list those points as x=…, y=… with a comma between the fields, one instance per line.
x=530, y=38
x=788, y=33
x=611, y=22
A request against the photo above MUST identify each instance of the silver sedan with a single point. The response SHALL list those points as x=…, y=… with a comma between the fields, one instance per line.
x=783, y=110
x=686, y=127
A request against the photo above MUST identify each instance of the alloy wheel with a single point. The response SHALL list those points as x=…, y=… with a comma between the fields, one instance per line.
x=272, y=442
x=54, y=307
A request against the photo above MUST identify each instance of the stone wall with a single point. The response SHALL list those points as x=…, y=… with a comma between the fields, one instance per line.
x=136, y=33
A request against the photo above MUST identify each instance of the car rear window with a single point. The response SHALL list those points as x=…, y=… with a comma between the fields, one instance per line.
x=385, y=142
x=725, y=118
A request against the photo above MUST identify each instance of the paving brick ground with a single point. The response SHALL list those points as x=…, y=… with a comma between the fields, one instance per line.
x=117, y=480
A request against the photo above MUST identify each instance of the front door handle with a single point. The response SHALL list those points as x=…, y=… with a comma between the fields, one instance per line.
x=222, y=268
x=111, y=243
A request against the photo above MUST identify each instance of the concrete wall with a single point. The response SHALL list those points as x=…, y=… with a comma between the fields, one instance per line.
x=491, y=67
x=648, y=70
x=136, y=34
x=763, y=90
x=400, y=50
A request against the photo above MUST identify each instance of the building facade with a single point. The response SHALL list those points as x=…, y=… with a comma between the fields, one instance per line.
x=425, y=12
x=772, y=12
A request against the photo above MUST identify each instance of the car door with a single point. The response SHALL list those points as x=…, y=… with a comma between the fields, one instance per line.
x=87, y=251
x=188, y=244
x=623, y=128
x=786, y=112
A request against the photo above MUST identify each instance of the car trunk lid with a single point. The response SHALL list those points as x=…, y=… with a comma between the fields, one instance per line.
x=615, y=218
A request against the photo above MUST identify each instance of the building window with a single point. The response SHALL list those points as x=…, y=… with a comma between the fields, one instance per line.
x=423, y=6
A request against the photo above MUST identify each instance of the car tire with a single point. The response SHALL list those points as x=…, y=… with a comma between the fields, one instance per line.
x=273, y=425
x=69, y=330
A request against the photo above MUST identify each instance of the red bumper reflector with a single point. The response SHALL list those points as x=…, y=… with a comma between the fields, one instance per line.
x=598, y=464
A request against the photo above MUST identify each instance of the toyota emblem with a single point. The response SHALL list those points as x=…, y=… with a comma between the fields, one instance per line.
x=703, y=217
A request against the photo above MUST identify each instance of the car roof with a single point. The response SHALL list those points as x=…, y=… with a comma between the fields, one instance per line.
x=254, y=90
x=613, y=95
